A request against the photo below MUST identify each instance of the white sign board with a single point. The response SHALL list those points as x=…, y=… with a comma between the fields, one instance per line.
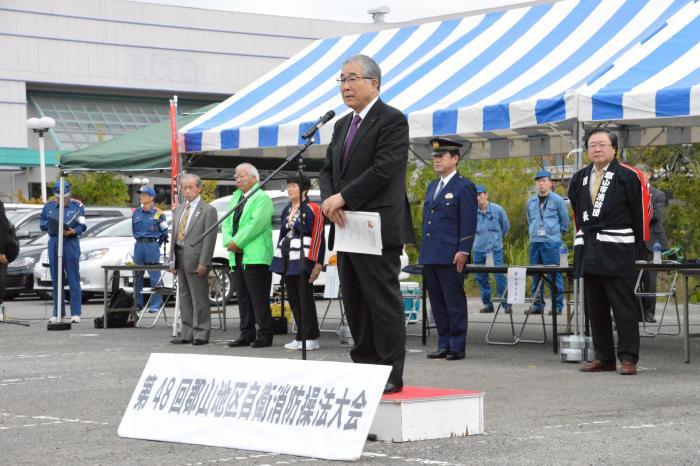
x=362, y=233
x=306, y=408
x=330, y=291
x=516, y=285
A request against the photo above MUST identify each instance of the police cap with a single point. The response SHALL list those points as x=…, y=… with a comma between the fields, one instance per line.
x=57, y=188
x=441, y=145
x=147, y=190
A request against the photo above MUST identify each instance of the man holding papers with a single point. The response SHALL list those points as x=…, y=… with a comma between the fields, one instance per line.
x=365, y=170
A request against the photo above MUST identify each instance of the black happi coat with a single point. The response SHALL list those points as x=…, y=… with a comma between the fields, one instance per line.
x=610, y=232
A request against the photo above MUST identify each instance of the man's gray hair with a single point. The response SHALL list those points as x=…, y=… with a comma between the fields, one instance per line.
x=250, y=169
x=643, y=167
x=192, y=176
x=370, y=69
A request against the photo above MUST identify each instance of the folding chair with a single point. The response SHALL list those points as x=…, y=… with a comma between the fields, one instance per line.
x=516, y=338
x=640, y=293
x=166, y=293
x=217, y=293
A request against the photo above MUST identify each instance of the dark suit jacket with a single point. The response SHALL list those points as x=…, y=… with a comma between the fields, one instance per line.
x=656, y=226
x=373, y=178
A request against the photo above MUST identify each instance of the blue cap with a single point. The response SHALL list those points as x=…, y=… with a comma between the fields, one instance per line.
x=480, y=188
x=147, y=190
x=57, y=187
x=543, y=174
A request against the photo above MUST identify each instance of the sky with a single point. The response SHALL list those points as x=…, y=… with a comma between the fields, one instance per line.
x=344, y=10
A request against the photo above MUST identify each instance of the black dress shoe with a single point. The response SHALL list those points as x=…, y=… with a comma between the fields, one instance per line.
x=439, y=354
x=455, y=355
x=390, y=388
x=260, y=344
x=180, y=341
x=238, y=342
x=198, y=342
x=649, y=317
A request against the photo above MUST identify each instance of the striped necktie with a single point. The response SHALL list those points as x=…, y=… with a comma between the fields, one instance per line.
x=596, y=184
x=182, y=227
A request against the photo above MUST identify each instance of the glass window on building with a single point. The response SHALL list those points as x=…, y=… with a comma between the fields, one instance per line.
x=83, y=120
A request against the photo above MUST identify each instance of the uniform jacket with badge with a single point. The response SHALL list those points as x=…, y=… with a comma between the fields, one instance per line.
x=611, y=231
x=149, y=224
x=373, y=178
x=449, y=221
x=73, y=217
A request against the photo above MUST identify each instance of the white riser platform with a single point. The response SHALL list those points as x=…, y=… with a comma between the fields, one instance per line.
x=422, y=413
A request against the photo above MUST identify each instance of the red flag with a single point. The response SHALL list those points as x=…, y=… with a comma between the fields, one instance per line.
x=174, y=154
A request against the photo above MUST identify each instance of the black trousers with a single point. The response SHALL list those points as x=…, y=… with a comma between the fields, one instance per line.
x=601, y=294
x=253, y=292
x=374, y=309
x=301, y=298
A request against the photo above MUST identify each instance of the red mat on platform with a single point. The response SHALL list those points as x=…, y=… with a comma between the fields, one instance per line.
x=416, y=393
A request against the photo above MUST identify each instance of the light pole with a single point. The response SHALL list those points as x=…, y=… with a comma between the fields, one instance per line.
x=40, y=126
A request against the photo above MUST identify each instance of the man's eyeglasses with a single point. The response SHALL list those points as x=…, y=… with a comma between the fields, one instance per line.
x=602, y=145
x=352, y=79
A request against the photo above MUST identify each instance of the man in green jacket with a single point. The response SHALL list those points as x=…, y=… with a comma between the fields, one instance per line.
x=247, y=234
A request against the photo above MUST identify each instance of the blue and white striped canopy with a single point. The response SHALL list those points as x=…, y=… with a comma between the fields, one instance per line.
x=504, y=74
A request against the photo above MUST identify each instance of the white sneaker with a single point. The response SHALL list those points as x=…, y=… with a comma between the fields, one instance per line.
x=53, y=320
x=293, y=345
x=311, y=345
x=75, y=319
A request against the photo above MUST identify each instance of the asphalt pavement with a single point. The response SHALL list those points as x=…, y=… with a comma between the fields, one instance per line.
x=62, y=396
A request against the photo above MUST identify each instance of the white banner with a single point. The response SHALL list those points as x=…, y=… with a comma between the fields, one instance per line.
x=306, y=408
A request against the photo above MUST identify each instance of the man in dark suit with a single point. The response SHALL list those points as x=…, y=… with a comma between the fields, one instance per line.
x=656, y=233
x=449, y=226
x=191, y=262
x=365, y=170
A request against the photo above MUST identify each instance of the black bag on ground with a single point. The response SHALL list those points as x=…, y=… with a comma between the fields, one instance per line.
x=119, y=311
x=279, y=325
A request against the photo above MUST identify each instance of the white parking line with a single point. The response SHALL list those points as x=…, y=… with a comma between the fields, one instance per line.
x=50, y=421
x=5, y=382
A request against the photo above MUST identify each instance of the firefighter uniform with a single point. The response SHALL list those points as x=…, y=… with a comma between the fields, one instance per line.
x=150, y=230
x=73, y=218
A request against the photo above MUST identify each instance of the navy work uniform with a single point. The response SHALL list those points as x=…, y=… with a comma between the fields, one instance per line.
x=73, y=219
x=449, y=226
x=150, y=229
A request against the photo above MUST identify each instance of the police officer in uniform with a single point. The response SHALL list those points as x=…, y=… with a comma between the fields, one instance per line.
x=73, y=227
x=449, y=225
x=150, y=229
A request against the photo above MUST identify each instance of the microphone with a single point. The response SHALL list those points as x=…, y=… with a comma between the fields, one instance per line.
x=321, y=121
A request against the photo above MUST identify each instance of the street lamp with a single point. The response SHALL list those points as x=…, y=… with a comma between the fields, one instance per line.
x=40, y=126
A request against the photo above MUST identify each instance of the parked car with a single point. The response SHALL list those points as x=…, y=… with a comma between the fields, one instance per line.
x=26, y=220
x=108, y=247
x=20, y=273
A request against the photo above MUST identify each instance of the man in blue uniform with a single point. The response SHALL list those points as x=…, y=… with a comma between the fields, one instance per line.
x=150, y=229
x=491, y=226
x=73, y=227
x=449, y=225
x=547, y=219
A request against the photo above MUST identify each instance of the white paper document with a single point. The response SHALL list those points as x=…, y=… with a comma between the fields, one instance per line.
x=516, y=285
x=332, y=287
x=362, y=233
